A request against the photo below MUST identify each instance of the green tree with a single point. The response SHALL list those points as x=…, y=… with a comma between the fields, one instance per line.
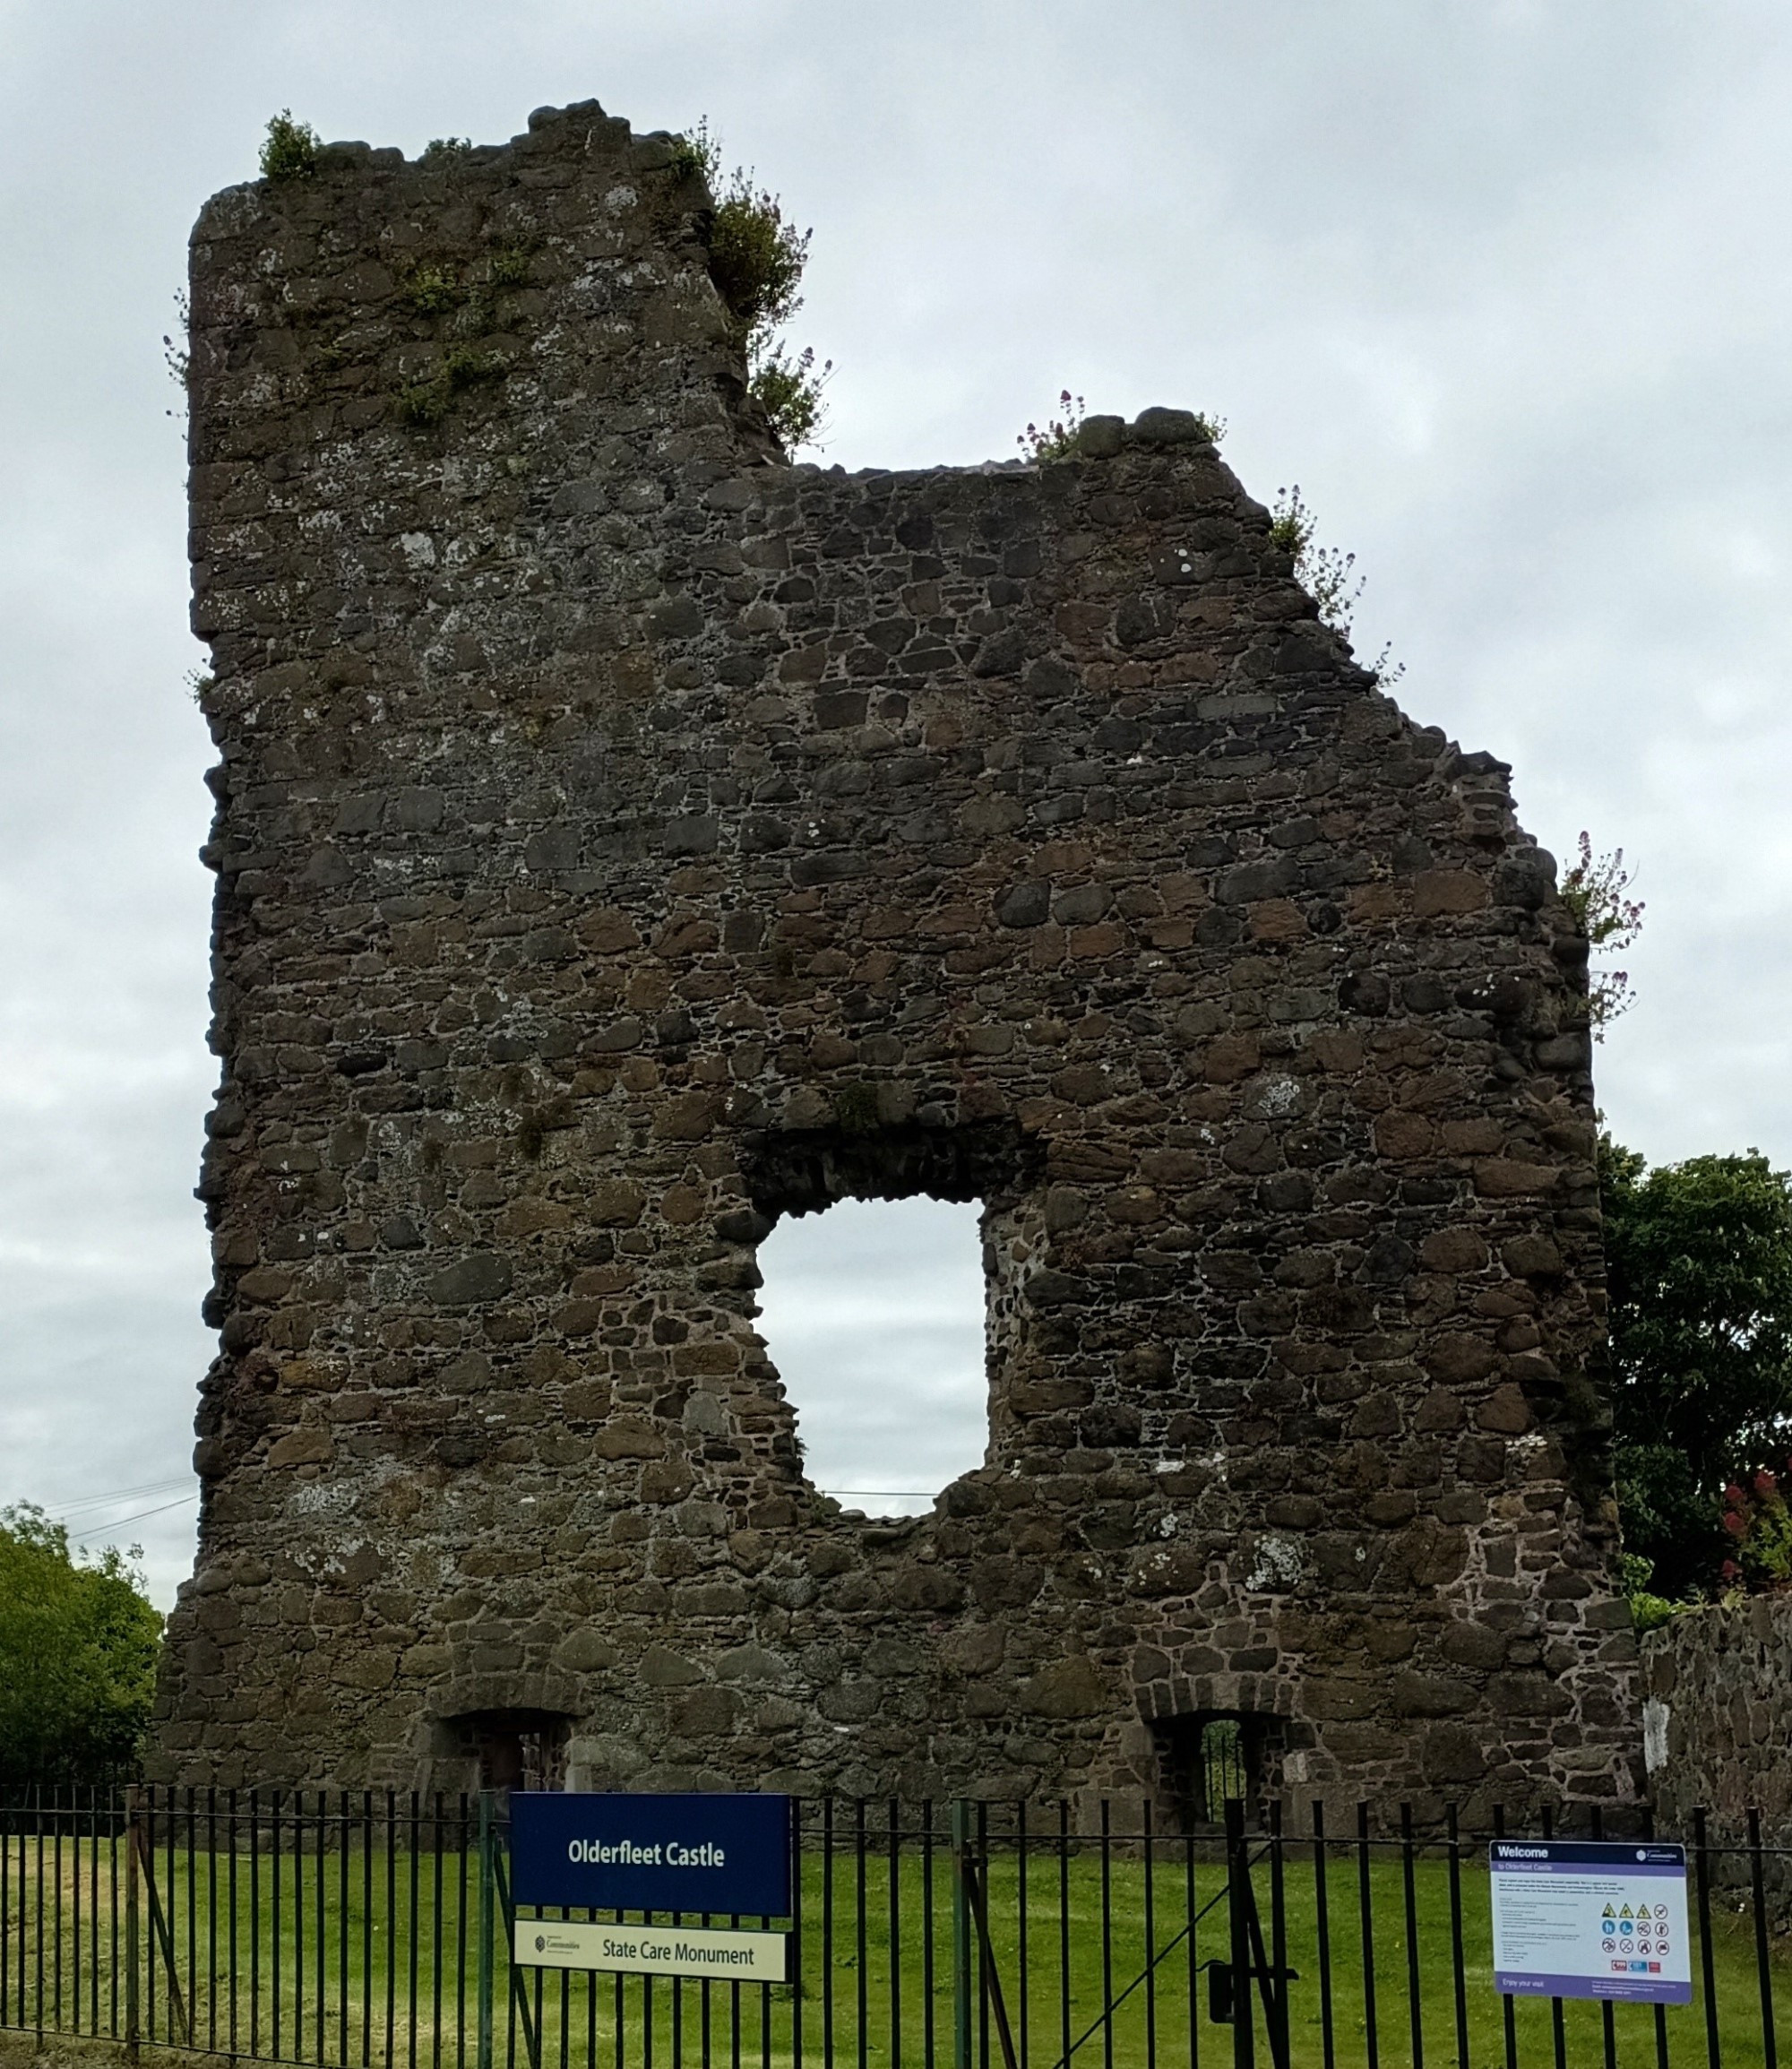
x=78, y=1646
x=1699, y=1264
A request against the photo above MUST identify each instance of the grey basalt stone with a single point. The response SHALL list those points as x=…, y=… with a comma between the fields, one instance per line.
x=480, y=1278
x=1101, y=437
x=1160, y=427
x=626, y=839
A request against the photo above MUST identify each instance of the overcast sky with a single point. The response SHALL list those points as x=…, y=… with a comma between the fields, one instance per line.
x=1503, y=284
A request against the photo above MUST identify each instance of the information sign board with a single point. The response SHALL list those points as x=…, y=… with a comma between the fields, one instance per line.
x=652, y=1950
x=1591, y=1918
x=718, y=1854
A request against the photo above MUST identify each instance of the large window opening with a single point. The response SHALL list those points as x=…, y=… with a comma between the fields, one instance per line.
x=872, y=1310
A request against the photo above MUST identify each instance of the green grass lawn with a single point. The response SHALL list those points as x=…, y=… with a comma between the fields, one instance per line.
x=370, y=1959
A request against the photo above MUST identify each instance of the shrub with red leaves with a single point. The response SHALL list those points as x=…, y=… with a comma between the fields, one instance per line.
x=1758, y=1522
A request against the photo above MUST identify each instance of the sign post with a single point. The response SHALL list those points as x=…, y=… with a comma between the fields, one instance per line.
x=1602, y=1919
x=720, y=1855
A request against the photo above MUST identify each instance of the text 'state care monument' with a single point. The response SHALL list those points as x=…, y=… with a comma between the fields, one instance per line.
x=624, y=838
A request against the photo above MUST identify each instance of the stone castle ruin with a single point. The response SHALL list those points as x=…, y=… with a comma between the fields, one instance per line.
x=624, y=838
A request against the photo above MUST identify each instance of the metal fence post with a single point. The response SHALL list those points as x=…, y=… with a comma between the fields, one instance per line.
x=132, y=2034
x=1770, y=2045
x=487, y=1924
x=1239, y=1901
x=961, y=1990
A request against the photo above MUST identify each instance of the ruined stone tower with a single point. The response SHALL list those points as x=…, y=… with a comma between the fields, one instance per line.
x=624, y=839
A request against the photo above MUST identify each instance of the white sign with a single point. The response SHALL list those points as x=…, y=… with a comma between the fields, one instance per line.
x=651, y=1949
x=1591, y=1918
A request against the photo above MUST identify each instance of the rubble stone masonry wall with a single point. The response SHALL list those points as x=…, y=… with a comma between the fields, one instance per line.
x=1717, y=1722
x=624, y=839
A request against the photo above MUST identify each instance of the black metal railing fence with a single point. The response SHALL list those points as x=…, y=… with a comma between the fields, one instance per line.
x=373, y=1931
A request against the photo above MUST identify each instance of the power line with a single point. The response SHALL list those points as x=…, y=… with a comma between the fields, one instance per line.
x=100, y=1530
x=116, y=1495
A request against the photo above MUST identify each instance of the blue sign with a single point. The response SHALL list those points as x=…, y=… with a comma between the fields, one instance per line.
x=727, y=1854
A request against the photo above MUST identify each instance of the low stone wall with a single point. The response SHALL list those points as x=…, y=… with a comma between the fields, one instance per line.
x=1717, y=1722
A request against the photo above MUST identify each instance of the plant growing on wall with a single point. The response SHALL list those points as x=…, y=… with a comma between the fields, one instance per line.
x=789, y=392
x=1323, y=571
x=177, y=352
x=1648, y=1611
x=1326, y=573
x=1058, y=437
x=757, y=259
x=1595, y=890
x=290, y=149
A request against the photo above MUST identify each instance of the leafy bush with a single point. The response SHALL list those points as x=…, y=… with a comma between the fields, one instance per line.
x=1758, y=1523
x=439, y=148
x=1648, y=1611
x=789, y=392
x=290, y=149
x=756, y=261
x=695, y=155
x=78, y=1648
x=1594, y=890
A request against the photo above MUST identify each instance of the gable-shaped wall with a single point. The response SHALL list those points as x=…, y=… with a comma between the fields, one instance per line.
x=624, y=838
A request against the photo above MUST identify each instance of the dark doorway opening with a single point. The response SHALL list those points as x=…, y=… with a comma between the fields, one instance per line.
x=1209, y=1760
x=515, y=1748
